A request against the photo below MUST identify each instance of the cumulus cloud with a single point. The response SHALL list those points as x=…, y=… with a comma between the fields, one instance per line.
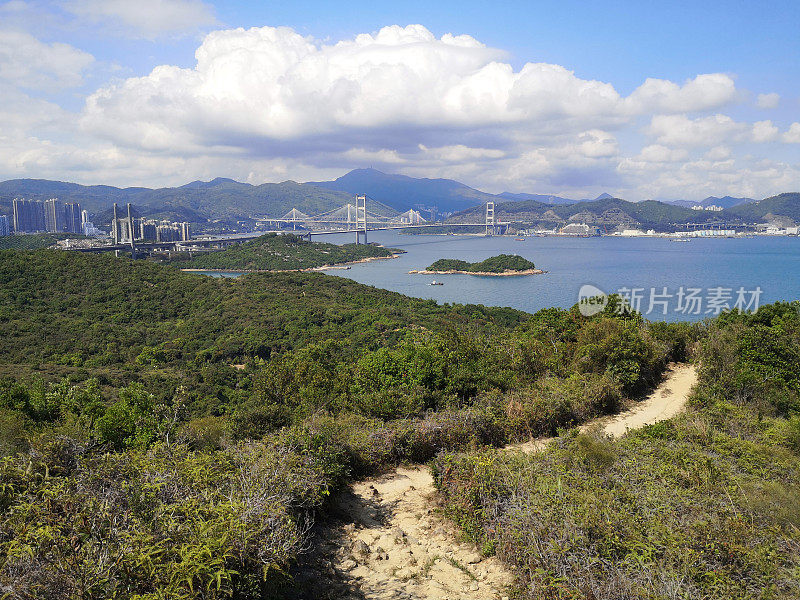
x=704, y=92
x=768, y=100
x=146, y=18
x=709, y=177
x=656, y=153
x=262, y=87
x=792, y=136
x=764, y=131
x=680, y=130
x=28, y=63
x=269, y=104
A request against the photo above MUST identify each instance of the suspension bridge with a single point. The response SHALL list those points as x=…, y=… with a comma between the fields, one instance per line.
x=357, y=218
x=350, y=218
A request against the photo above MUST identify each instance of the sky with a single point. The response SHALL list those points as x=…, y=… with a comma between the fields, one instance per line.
x=665, y=100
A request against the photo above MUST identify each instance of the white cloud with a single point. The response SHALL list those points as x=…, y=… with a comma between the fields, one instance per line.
x=28, y=63
x=704, y=92
x=764, y=131
x=793, y=135
x=263, y=87
x=360, y=156
x=768, y=100
x=268, y=104
x=459, y=153
x=718, y=153
x=146, y=18
x=707, y=176
x=680, y=130
x=656, y=153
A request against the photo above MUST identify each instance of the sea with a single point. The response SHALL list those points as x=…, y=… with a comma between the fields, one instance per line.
x=664, y=280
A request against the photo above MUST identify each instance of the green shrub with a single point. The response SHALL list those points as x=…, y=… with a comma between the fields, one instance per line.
x=205, y=433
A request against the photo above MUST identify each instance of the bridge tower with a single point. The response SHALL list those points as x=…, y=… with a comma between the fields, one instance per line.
x=131, y=231
x=490, y=224
x=361, y=218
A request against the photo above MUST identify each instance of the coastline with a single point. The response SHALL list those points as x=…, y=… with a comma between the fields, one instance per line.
x=480, y=273
x=343, y=265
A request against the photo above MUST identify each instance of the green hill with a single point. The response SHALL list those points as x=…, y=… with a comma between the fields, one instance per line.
x=34, y=241
x=220, y=198
x=273, y=252
x=502, y=263
x=785, y=205
x=650, y=214
x=403, y=192
x=605, y=212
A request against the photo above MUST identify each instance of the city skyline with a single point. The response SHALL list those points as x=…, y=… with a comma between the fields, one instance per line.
x=685, y=101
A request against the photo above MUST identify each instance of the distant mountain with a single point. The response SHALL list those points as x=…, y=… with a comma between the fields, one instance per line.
x=197, y=201
x=782, y=205
x=223, y=198
x=538, y=197
x=402, y=192
x=609, y=213
x=724, y=202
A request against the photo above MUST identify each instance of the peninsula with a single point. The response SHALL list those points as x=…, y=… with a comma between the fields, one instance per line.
x=286, y=252
x=502, y=265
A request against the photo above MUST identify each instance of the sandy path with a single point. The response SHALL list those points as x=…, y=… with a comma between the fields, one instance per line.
x=666, y=401
x=395, y=546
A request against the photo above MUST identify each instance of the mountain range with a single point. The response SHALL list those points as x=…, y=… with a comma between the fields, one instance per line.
x=226, y=199
x=611, y=213
x=724, y=202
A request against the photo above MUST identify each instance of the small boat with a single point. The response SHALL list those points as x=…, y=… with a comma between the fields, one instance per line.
x=681, y=240
x=519, y=239
x=434, y=282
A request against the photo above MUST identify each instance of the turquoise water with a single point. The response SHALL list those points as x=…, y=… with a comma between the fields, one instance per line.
x=608, y=263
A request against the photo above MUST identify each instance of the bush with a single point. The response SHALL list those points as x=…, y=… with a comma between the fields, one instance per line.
x=205, y=433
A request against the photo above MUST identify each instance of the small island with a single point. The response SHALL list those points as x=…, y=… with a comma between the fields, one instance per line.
x=502, y=265
x=286, y=252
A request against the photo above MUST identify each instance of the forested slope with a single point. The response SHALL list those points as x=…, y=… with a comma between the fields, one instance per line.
x=169, y=435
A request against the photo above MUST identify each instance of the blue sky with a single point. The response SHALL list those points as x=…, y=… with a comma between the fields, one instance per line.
x=642, y=99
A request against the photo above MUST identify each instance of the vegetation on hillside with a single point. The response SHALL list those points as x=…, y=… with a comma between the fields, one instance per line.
x=502, y=263
x=703, y=506
x=172, y=435
x=274, y=252
x=786, y=205
x=197, y=201
x=649, y=214
x=34, y=241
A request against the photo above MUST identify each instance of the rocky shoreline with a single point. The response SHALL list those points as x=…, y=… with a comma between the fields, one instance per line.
x=343, y=265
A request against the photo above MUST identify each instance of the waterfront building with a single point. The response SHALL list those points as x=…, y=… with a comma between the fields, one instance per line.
x=579, y=229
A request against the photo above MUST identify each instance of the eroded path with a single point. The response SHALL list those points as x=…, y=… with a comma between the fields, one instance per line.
x=395, y=546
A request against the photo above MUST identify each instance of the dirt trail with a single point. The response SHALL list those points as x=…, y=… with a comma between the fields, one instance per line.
x=663, y=403
x=396, y=547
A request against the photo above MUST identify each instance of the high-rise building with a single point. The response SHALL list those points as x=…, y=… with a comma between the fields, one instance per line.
x=84, y=217
x=186, y=232
x=148, y=228
x=28, y=215
x=4, y=226
x=168, y=233
x=54, y=215
x=72, y=217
